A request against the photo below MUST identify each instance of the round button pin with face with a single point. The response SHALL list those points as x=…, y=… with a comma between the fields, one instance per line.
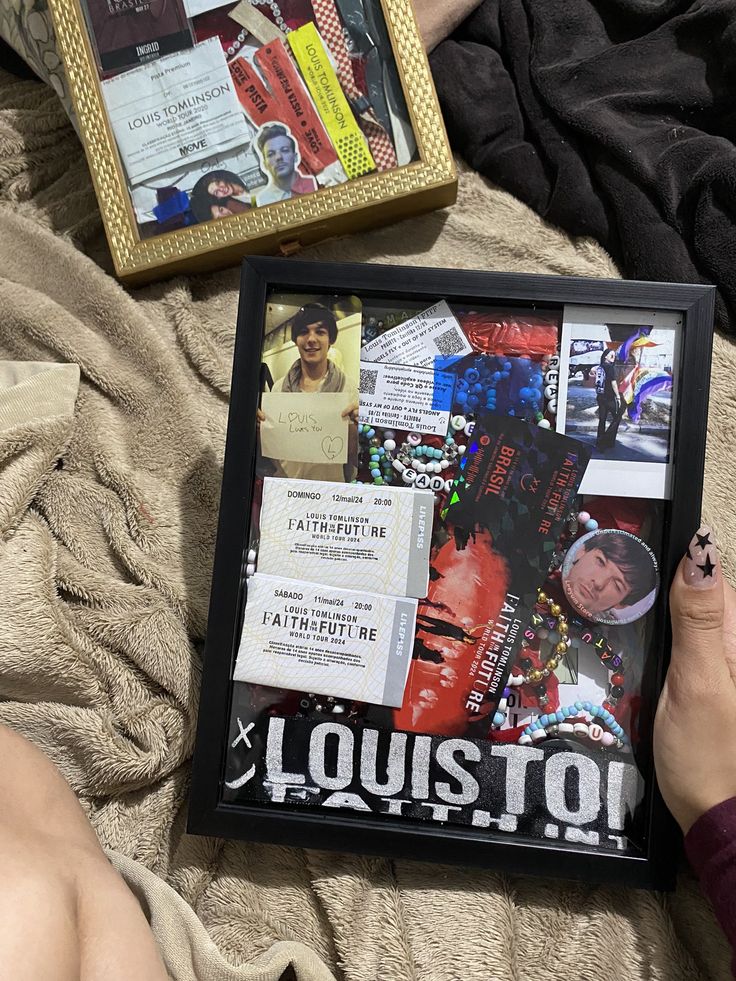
x=610, y=576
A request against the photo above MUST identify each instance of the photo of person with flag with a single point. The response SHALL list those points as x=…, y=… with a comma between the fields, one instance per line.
x=619, y=390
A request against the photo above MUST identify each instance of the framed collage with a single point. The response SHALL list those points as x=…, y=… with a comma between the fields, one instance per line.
x=215, y=129
x=452, y=503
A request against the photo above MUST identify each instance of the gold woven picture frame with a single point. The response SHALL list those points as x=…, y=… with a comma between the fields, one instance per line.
x=286, y=226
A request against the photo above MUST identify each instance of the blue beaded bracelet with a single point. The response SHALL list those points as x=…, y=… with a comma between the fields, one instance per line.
x=598, y=715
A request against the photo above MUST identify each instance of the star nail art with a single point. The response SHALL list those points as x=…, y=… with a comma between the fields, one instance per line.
x=700, y=569
x=707, y=567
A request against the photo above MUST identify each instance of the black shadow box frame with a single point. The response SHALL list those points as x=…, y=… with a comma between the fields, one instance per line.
x=655, y=867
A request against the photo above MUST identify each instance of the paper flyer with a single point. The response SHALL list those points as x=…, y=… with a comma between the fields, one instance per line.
x=355, y=536
x=180, y=108
x=302, y=636
x=432, y=333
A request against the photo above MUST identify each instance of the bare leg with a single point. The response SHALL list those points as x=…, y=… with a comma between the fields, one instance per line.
x=65, y=913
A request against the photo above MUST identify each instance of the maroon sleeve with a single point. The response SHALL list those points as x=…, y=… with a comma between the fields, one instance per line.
x=711, y=849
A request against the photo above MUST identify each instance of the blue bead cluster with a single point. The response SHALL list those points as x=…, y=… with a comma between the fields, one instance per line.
x=561, y=715
x=477, y=387
x=431, y=452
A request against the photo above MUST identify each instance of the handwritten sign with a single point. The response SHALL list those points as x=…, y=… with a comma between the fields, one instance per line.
x=305, y=427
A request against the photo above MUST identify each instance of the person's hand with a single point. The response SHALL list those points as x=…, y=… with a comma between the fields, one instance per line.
x=695, y=726
x=351, y=412
x=260, y=416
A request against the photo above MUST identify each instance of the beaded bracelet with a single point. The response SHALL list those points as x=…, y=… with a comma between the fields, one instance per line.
x=606, y=654
x=500, y=713
x=556, y=629
x=551, y=381
x=420, y=465
x=536, y=676
x=380, y=459
x=566, y=722
x=328, y=705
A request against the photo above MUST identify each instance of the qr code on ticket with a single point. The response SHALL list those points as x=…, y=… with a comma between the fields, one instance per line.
x=451, y=342
x=368, y=381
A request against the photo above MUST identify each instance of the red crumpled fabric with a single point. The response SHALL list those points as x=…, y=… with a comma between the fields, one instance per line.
x=530, y=335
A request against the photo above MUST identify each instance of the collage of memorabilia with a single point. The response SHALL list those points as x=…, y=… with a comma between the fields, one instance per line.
x=450, y=595
x=220, y=108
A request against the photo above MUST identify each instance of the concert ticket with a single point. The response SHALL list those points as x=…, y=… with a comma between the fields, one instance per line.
x=329, y=641
x=362, y=537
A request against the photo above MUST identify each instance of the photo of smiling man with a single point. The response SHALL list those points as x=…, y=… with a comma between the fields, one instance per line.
x=326, y=344
x=279, y=156
x=610, y=576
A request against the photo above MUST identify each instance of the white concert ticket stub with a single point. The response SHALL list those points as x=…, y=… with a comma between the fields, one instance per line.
x=355, y=536
x=397, y=396
x=301, y=636
x=432, y=333
x=174, y=111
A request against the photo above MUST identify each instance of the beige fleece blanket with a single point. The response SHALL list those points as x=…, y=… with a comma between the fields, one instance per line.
x=108, y=509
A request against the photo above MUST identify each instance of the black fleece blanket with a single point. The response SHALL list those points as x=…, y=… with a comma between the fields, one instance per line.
x=613, y=119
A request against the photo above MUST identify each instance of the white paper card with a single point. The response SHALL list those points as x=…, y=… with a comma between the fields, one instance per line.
x=179, y=108
x=304, y=427
x=196, y=7
x=355, y=536
x=396, y=396
x=432, y=333
x=312, y=638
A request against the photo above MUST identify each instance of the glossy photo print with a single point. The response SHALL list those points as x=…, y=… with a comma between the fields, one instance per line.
x=616, y=387
x=307, y=421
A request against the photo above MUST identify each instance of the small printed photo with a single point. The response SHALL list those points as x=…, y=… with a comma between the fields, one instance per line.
x=219, y=194
x=307, y=419
x=617, y=377
x=217, y=187
x=610, y=576
x=278, y=153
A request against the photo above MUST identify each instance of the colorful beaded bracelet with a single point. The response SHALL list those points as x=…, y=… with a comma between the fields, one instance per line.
x=608, y=657
x=418, y=464
x=566, y=722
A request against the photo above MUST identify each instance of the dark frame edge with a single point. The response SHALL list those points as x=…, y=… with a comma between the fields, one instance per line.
x=210, y=746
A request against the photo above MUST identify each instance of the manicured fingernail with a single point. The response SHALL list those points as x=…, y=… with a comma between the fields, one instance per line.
x=701, y=567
